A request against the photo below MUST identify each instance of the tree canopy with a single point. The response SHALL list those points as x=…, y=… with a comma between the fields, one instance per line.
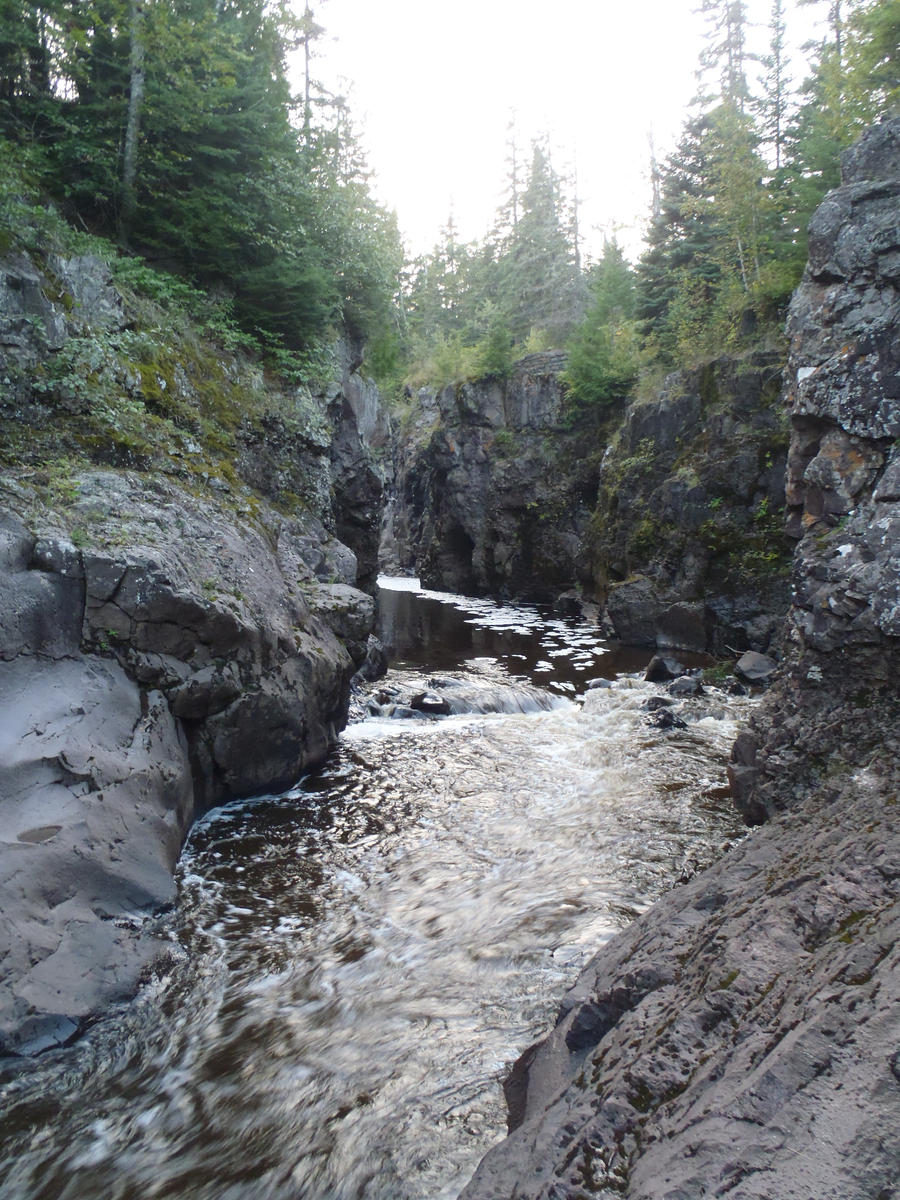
x=171, y=126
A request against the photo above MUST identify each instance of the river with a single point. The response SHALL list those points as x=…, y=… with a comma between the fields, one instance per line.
x=354, y=965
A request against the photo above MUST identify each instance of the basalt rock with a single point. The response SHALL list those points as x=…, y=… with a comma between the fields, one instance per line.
x=179, y=624
x=739, y=1039
x=140, y=684
x=687, y=541
x=494, y=488
x=835, y=709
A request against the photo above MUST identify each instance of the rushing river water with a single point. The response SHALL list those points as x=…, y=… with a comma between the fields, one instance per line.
x=355, y=964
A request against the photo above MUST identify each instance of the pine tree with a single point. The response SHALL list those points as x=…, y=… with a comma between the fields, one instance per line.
x=604, y=351
x=540, y=286
x=682, y=237
x=773, y=106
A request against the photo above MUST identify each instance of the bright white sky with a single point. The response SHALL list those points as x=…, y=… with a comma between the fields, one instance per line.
x=432, y=87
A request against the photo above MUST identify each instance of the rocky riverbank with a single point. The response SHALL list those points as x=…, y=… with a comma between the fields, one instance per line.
x=179, y=621
x=741, y=1039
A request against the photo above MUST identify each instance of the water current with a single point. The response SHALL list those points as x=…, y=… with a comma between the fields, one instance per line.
x=354, y=965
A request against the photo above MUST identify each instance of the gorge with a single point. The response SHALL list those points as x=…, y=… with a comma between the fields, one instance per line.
x=183, y=612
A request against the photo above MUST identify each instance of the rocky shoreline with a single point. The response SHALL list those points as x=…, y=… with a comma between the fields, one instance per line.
x=179, y=623
x=741, y=1039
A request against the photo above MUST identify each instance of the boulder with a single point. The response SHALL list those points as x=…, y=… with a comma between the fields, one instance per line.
x=428, y=702
x=664, y=718
x=633, y=607
x=662, y=669
x=755, y=668
x=686, y=686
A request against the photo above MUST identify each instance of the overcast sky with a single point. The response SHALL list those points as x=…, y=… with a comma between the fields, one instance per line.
x=434, y=84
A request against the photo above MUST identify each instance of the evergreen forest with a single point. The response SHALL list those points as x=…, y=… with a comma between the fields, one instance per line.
x=170, y=130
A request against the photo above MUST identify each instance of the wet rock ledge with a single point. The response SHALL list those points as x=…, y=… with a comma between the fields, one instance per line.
x=179, y=623
x=742, y=1039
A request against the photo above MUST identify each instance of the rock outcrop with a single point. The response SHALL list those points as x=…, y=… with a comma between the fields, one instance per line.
x=494, y=491
x=687, y=543
x=836, y=707
x=179, y=622
x=670, y=510
x=741, y=1039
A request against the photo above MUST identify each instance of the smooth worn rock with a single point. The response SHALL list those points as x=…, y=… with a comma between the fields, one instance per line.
x=142, y=682
x=170, y=637
x=427, y=702
x=661, y=669
x=95, y=795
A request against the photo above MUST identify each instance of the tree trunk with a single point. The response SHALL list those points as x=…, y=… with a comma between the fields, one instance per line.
x=133, y=124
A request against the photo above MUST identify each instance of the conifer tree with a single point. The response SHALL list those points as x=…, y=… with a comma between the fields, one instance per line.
x=539, y=283
x=773, y=104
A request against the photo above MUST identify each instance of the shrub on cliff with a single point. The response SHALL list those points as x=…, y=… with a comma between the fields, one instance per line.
x=603, y=363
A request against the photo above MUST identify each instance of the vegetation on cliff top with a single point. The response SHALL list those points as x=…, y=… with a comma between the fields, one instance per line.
x=726, y=239
x=170, y=127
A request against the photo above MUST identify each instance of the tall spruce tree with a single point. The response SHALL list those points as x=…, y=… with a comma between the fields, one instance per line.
x=539, y=284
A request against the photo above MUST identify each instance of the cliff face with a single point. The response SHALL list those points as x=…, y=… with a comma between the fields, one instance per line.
x=178, y=621
x=835, y=709
x=670, y=511
x=687, y=539
x=740, y=1039
x=493, y=492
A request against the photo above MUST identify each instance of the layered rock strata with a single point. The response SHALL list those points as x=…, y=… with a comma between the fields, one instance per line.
x=741, y=1039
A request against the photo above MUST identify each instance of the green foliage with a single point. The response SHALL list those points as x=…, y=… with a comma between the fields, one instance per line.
x=727, y=241
x=519, y=291
x=226, y=191
x=494, y=352
x=603, y=363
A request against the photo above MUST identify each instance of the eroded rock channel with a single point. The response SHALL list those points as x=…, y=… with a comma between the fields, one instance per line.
x=353, y=964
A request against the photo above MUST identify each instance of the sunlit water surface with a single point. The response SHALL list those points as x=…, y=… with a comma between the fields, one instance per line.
x=355, y=964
